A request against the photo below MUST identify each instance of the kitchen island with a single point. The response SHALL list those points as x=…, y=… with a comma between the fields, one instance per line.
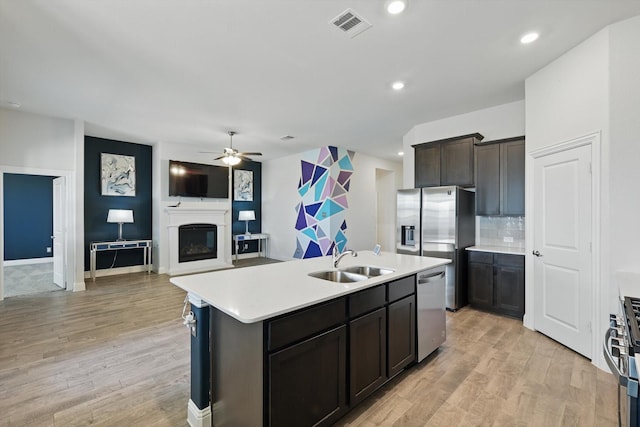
x=280, y=337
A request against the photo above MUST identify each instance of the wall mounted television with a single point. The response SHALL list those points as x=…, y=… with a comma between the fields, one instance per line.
x=198, y=180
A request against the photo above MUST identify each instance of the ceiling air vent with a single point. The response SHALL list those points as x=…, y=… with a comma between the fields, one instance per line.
x=351, y=23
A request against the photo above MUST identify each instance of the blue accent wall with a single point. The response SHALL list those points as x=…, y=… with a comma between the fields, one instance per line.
x=238, y=227
x=28, y=216
x=96, y=206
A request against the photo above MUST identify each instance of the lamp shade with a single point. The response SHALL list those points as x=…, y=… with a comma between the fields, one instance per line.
x=120, y=215
x=246, y=216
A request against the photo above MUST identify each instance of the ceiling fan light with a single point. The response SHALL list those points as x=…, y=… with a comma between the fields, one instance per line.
x=231, y=160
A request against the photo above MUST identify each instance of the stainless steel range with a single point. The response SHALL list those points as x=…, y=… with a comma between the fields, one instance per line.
x=622, y=352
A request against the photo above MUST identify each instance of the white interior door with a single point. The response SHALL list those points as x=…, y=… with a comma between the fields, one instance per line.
x=563, y=272
x=58, y=230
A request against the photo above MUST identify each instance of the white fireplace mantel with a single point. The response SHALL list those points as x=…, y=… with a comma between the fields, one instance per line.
x=178, y=216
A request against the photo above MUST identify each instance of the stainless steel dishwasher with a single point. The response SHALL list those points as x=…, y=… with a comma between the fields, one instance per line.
x=431, y=310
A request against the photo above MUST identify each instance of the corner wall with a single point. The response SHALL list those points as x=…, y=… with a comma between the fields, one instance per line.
x=280, y=196
x=40, y=145
x=499, y=122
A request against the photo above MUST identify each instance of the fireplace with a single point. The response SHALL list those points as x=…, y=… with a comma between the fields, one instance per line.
x=197, y=242
x=211, y=215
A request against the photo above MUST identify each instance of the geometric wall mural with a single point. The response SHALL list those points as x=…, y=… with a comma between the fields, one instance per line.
x=325, y=177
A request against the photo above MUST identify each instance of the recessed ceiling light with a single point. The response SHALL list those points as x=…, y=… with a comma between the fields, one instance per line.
x=400, y=153
x=395, y=7
x=397, y=85
x=529, y=38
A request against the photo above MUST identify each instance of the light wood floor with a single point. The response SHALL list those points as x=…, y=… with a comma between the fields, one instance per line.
x=118, y=355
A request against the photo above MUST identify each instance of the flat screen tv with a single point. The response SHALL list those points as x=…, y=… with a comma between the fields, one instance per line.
x=197, y=180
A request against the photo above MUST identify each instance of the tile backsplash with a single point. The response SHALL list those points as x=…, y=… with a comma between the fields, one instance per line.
x=507, y=231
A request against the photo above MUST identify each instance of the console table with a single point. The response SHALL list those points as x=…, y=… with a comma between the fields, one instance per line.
x=117, y=245
x=237, y=238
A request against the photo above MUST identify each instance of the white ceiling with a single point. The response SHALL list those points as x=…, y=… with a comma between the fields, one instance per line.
x=188, y=71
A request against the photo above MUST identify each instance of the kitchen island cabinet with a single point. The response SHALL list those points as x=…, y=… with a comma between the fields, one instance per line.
x=306, y=357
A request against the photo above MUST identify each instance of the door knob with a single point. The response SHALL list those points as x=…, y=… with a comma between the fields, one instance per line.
x=537, y=253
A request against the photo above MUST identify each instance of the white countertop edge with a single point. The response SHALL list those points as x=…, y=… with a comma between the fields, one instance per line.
x=286, y=286
x=497, y=249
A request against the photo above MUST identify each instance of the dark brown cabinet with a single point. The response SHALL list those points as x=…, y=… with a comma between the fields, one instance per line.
x=500, y=177
x=446, y=162
x=367, y=354
x=402, y=334
x=323, y=360
x=307, y=381
x=307, y=366
x=496, y=282
x=427, y=165
x=382, y=342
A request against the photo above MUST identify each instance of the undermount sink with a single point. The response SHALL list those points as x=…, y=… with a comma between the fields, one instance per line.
x=368, y=270
x=338, y=276
x=351, y=274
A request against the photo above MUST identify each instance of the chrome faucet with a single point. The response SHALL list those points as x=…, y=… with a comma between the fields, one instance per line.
x=338, y=256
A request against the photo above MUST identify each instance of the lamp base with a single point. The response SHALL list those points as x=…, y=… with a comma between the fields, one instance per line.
x=246, y=228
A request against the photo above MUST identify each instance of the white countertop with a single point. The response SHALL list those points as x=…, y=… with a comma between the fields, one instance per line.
x=253, y=294
x=497, y=249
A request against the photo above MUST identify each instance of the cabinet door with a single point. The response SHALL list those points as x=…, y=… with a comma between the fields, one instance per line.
x=509, y=284
x=427, y=165
x=488, y=179
x=307, y=381
x=367, y=354
x=512, y=156
x=401, y=335
x=457, y=160
x=481, y=284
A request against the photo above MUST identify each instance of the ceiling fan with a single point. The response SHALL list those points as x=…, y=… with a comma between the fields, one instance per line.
x=231, y=156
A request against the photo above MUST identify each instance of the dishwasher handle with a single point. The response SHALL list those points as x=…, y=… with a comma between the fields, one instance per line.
x=430, y=278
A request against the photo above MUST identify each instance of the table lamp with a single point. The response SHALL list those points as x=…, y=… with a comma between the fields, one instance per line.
x=246, y=216
x=120, y=216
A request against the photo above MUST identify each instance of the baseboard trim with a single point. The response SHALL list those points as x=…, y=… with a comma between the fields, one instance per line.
x=197, y=417
x=43, y=260
x=116, y=271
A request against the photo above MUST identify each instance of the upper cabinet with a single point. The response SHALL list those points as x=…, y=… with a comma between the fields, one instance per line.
x=446, y=162
x=500, y=177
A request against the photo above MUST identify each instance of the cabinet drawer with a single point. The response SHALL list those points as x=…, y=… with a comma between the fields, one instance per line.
x=401, y=288
x=483, y=257
x=509, y=260
x=367, y=300
x=305, y=323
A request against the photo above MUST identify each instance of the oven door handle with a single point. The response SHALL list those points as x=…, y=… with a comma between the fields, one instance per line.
x=608, y=357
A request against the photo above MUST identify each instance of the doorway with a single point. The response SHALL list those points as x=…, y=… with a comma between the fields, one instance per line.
x=564, y=260
x=385, y=209
x=34, y=239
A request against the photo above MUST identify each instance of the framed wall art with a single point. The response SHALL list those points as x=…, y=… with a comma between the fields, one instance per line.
x=242, y=185
x=118, y=175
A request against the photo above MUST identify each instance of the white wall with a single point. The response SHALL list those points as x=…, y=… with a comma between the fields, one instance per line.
x=280, y=196
x=595, y=88
x=35, y=144
x=624, y=155
x=499, y=122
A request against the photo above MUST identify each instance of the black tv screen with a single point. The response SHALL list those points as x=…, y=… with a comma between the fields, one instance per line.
x=197, y=180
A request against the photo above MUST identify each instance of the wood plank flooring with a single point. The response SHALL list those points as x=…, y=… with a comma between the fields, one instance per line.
x=118, y=355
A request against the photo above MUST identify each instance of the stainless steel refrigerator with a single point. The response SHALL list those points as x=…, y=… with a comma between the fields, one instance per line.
x=439, y=222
